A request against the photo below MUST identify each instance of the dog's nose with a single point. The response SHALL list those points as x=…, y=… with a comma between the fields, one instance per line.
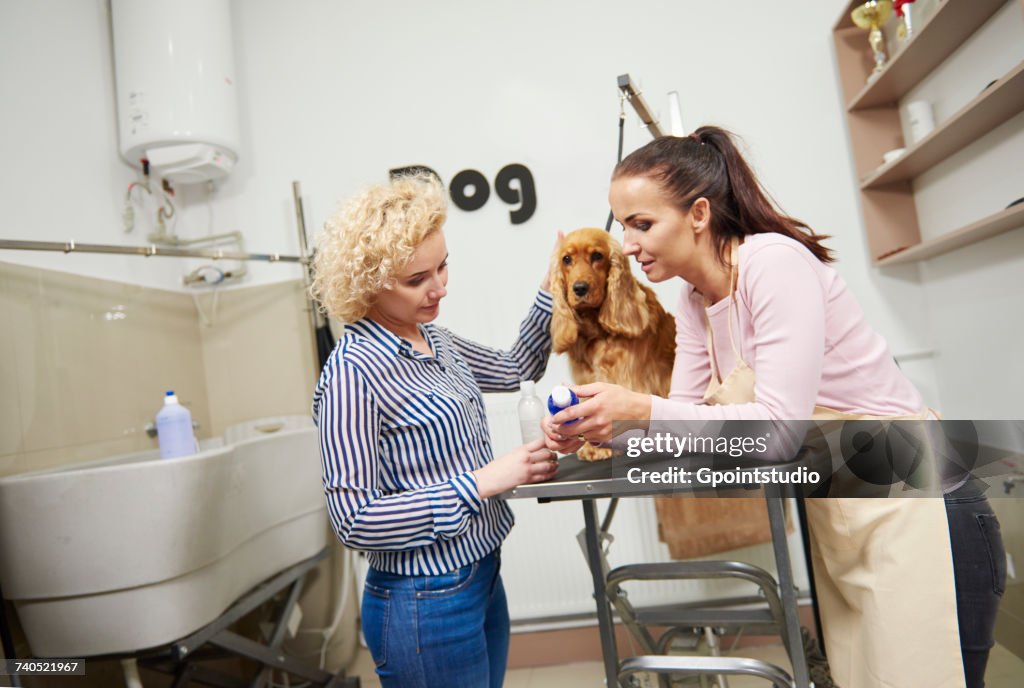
x=580, y=288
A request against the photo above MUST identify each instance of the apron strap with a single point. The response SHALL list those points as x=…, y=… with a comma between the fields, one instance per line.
x=734, y=262
x=711, y=349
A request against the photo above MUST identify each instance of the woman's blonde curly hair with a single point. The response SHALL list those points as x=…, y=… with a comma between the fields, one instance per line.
x=370, y=240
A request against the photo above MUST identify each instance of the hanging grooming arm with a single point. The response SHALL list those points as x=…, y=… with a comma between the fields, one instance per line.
x=636, y=99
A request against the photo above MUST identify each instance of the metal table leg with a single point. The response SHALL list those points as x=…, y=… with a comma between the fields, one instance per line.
x=609, y=651
x=787, y=590
x=805, y=536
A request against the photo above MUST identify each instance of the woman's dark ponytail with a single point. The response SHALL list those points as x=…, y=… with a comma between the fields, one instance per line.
x=708, y=164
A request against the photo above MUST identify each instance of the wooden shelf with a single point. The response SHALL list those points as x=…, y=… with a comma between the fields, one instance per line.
x=995, y=105
x=953, y=22
x=1001, y=222
x=887, y=199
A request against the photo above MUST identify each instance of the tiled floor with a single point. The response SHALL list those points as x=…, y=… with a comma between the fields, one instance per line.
x=1005, y=670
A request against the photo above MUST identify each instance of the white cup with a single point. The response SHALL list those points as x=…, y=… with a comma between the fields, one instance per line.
x=920, y=118
x=889, y=156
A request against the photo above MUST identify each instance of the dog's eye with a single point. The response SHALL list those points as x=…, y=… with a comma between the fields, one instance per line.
x=566, y=260
x=596, y=256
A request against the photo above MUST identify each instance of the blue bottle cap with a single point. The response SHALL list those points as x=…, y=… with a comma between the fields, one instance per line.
x=562, y=398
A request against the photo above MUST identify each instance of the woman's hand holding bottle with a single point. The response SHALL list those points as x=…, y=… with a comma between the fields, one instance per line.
x=530, y=463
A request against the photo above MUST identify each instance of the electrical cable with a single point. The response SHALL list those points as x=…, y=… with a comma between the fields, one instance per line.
x=165, y=212
x=128, y=211
x=346, y=584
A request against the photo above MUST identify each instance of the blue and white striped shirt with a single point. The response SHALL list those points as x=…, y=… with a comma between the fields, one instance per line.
x=401, y=433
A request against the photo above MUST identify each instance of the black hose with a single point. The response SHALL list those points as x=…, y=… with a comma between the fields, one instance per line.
x=618, y=159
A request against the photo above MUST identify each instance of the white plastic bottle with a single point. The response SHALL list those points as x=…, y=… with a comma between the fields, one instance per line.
x=531, y=412
x=174, y=429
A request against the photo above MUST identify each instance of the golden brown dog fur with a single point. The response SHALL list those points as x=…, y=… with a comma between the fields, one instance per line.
x=617, y=331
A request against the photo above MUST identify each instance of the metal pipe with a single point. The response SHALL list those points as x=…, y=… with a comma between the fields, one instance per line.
x=307, y=277
x=175, y=240
x=300, y=225
x=606, y=524
x=148, y=251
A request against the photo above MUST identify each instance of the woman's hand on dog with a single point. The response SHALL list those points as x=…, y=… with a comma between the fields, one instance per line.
x=530, y=463
x=601, y=404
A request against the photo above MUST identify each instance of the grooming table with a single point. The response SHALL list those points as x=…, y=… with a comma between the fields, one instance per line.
x=585, y=481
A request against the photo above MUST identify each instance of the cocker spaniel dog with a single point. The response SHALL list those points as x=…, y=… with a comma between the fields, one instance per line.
x=611, y=326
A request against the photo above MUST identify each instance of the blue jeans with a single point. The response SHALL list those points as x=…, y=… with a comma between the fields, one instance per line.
x=979, y=567
x=447, y=631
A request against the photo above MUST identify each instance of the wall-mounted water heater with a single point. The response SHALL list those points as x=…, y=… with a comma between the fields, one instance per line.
x=177, y=105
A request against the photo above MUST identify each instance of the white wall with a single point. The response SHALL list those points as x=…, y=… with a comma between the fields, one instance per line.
x=334, y=94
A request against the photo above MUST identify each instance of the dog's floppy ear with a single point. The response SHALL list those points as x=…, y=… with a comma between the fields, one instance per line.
x=564, y=330
x=625, y=310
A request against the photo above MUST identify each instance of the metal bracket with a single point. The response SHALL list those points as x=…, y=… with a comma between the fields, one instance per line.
x=636, y=99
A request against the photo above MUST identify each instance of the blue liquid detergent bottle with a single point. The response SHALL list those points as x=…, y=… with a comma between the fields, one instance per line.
x=562, y=398
x=174, y=429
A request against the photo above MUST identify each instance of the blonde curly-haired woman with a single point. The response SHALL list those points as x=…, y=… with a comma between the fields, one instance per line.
x=408, y=467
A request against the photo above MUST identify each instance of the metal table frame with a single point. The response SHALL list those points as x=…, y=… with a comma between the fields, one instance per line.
x=182, y=658
x=587, y=482
x=214, y=641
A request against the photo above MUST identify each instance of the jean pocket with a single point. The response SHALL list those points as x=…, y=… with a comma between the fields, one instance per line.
x=376, y=613
x=448, y=583
x=990, y=530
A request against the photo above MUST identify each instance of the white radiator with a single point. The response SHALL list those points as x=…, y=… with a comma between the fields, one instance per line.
x=543, y=568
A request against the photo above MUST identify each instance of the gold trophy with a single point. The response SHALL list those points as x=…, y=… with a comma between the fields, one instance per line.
x=871, y=15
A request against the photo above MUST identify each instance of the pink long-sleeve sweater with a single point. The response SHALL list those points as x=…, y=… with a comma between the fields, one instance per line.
x=803, y=333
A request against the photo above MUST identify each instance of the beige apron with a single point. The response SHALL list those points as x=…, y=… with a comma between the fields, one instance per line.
x=883, y=568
